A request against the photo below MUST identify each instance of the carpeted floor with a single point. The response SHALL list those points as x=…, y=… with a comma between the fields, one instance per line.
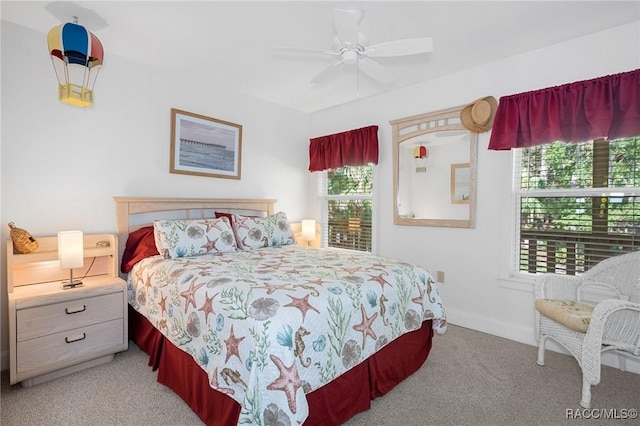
x=470, y=378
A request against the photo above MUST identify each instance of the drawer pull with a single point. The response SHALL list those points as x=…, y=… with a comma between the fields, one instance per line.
x=84, y=336
x=68, y=312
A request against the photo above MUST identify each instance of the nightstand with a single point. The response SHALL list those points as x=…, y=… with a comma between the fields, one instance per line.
x=54, y=332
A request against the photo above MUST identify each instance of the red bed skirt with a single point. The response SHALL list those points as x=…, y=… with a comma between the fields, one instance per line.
x=332, y=404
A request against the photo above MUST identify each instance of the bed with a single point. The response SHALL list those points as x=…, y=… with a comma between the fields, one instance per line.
x=249, y=327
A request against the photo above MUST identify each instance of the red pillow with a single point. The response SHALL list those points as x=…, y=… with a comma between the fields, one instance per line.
x=140, y=244
x=227, y=215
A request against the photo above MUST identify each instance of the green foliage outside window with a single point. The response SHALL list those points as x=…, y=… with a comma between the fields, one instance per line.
x=563, y=213
x=349, y=207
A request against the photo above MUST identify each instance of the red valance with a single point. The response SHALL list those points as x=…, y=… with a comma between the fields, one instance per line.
x=351, y=148
x=606, y=107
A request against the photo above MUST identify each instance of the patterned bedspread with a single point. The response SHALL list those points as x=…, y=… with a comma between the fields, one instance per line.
x=270, y=325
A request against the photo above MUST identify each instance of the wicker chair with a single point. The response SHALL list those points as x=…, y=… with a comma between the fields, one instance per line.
x=585, y=329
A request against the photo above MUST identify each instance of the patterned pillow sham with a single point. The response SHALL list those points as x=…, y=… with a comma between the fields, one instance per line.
x=258, y=232
x=185, y=238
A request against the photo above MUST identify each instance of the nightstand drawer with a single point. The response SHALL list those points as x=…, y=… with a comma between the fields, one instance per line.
x=43, y=320
x=68, y=346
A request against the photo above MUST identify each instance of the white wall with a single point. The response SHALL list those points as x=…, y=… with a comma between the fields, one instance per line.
x=474, y=259
x=62, y=165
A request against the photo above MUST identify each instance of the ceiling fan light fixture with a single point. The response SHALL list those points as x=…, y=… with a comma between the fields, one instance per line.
x=349, y=57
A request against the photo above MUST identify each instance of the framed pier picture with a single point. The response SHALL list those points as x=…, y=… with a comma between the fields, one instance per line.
x=205, y=146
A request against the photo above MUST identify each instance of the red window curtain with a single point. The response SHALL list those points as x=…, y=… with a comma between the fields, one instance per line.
x=607, y=107
x=351, y=148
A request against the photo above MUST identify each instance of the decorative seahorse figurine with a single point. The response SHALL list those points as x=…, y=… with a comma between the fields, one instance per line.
x=299, y=347
x=383, y=309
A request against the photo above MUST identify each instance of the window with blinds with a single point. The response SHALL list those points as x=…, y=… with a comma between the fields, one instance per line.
x=347, y=207
x=576, y=204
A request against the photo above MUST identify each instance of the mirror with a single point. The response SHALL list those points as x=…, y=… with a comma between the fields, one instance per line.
x=434, y=170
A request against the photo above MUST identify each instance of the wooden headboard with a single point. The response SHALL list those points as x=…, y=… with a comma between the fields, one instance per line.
x=135, y=212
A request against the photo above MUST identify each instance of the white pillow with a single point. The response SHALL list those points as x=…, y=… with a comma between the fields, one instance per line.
x=185, y=238
x=257, y=232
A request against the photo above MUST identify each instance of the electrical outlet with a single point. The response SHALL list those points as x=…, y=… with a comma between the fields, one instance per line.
x=440, y=276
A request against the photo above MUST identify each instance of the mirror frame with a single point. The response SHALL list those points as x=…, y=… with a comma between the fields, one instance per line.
x=407, y=128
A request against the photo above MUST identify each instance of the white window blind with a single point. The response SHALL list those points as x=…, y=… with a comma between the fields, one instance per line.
x=347, y=205
x=576, y=204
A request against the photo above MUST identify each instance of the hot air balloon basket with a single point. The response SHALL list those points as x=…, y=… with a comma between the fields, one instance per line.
x=76, y=95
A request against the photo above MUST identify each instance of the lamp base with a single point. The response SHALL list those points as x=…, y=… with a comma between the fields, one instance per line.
x=66, y=285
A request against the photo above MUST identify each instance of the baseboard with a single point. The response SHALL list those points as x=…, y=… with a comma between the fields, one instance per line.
x=515, y=332
x=523, y=334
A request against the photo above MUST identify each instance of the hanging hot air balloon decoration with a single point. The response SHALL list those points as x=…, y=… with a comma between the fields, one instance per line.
x=77, y=55
x=420, y=154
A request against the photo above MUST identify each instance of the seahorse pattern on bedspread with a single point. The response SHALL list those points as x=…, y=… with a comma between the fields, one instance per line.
x=270, y=325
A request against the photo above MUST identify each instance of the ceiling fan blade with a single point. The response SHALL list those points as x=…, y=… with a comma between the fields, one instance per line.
x=305, y=50
x=327, y=72
x=376, y=71
x=346, y=22
x=410, y=46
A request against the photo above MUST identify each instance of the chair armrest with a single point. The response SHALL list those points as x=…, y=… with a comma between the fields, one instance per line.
x=554, y=286
x=589, y=286
x=615, y=323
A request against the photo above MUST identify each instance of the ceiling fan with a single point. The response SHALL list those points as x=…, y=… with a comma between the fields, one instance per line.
x=351, y=47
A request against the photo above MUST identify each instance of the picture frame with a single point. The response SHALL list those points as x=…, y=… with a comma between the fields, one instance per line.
x=205, y=146
x=460, y=183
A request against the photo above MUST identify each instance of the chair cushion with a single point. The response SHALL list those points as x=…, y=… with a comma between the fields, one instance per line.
x=573, y=315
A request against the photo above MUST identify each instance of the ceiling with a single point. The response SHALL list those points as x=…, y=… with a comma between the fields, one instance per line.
x=230, y=43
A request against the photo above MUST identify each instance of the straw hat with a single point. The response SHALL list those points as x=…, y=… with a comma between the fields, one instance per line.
x=478, y=116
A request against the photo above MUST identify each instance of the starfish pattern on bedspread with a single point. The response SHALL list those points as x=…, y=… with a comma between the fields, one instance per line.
x=378, y=278
x=207, y=307
x=365, y=326
x=189, y=294
x=232, y=343
x=163, y=303
x=288, y=381
x=302, y=304
x=147, y=282
x=271, y=288
x=318, y=281
x=232, y=312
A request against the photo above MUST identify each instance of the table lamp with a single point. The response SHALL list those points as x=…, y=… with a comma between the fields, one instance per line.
x=70, y=255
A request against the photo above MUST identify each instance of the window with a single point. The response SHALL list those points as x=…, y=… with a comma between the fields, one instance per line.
x=346, y=199
x=576, y=204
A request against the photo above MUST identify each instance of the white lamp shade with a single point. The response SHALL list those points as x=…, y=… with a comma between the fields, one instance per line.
x=308, y=229
x=70, y=249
